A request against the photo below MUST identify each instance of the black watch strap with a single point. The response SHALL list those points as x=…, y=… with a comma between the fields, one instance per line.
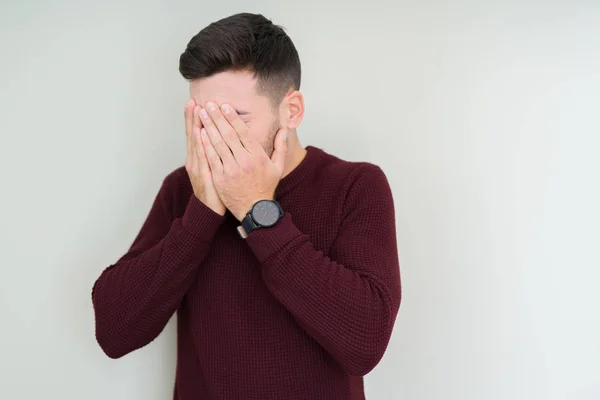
x=247, y=226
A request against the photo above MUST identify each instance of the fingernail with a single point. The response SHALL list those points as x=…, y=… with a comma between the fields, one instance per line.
x=203, y=113
x=189, y=102
x=211, y=106
x=225, y=108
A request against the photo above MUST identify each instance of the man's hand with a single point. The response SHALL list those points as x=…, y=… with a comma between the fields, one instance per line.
x=196, y=163
x=242, y=171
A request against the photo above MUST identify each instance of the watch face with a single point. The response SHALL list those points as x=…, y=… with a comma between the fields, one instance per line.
x=265, y=213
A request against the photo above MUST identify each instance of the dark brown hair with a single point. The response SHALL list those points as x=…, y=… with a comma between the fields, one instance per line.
x=245, y=42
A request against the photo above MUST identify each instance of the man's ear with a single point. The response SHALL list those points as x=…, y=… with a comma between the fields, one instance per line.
x=294, y=109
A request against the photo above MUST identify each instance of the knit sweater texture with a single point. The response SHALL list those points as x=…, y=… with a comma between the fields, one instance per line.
x=298, y=311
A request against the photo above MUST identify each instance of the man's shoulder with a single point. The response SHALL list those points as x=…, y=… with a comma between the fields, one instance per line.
x=349, y=171
x=356, y=182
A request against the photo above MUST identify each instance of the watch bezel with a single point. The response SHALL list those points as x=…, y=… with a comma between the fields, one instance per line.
x=260, y=224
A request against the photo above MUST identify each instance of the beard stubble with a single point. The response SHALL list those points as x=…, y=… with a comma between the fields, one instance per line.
x=269, y=146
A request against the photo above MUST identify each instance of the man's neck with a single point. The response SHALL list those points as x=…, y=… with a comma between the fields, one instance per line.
x=294, y=155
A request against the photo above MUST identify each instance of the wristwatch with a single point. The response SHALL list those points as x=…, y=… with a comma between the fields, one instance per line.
x=264, y=213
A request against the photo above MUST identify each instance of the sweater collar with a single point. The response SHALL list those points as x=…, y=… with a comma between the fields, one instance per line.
x=303, y=171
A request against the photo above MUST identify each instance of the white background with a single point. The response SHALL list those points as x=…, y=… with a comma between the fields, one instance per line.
x=484, y=115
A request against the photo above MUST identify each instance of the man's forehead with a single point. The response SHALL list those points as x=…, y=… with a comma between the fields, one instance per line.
x=234, y=88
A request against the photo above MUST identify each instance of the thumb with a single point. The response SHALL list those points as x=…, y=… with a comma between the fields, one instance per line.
x=278, y=157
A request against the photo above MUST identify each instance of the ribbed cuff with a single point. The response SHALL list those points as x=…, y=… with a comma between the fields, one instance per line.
x=264, y=242
x=200, y=220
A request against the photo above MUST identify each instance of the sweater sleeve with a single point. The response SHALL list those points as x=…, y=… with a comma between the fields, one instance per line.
x=348, y=300
x=134, y=298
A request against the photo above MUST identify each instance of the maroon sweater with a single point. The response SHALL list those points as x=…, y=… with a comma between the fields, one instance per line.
x=298, y=311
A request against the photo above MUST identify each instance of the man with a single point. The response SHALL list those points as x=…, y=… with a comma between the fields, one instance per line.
x=280, y=261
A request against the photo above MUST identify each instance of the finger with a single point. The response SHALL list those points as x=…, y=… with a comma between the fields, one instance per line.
x=197, y=123
x=199, y=153
x=240, y=128
x=278, y=157
x=217, y=141
x=195, y=127
x=227, y=131
x=189, y=115
x=214, y=161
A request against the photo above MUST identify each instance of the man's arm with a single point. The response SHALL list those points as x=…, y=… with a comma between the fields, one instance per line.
x=348, y=303
x=135, y=297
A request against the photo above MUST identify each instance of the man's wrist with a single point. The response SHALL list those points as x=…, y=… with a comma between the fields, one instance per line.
x=239, y=216
x=267, y=214
x=244, y=210
x=199, y=219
